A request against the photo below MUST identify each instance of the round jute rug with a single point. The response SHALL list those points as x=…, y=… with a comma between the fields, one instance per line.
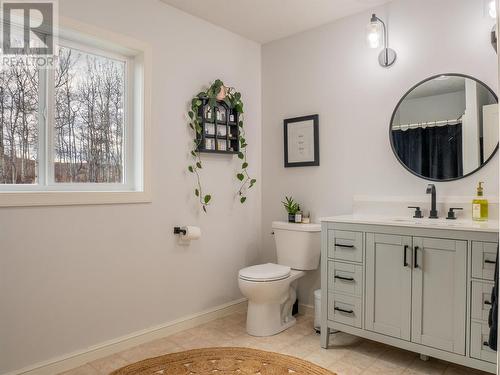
x=223, y=361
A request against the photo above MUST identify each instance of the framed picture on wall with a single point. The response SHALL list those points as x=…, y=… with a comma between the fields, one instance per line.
x=302, y=141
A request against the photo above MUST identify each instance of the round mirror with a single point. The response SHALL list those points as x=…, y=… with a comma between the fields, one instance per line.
x=446, y=127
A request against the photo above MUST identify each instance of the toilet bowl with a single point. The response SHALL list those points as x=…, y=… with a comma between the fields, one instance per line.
x=271, y=288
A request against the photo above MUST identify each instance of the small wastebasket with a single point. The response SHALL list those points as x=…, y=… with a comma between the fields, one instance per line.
x=317, y=309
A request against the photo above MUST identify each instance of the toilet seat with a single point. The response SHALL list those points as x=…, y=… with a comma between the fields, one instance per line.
x=265, y=272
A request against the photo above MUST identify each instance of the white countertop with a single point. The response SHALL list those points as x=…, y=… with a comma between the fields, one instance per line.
x=408, y=222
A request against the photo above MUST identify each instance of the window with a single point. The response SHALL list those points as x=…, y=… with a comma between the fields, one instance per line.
x=89, y=118
x=77, y=127
x=19, y=124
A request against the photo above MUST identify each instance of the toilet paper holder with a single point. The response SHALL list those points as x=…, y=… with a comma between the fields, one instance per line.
x=186, y=234
x=179, y=230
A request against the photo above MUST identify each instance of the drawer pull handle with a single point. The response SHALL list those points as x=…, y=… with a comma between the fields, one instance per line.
x=344, y=311
x=343, y=278
x=415, y=259
x=345, y=246
x=487, y=261
x=487, y=303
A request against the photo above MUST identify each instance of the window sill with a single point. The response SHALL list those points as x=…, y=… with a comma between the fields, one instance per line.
x=69, y=198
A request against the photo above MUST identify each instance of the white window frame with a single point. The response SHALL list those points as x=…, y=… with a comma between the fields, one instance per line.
x=135, y=187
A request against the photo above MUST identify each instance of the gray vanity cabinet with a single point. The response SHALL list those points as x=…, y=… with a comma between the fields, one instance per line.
x=439, y=293
x=388, y=285
x=416, y=289
x=421, y=289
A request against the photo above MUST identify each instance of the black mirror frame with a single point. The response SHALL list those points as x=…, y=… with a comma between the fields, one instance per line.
x=394, y=115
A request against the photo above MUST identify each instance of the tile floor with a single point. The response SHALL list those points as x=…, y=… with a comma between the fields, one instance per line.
x=348, y=355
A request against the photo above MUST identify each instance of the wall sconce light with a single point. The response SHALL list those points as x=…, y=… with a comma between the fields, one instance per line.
x=376, y=34
x=491, y=11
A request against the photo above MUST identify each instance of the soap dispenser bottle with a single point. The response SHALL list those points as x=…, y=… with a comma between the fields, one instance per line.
x=480, y=205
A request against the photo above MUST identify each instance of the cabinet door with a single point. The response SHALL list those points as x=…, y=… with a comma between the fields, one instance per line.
x=388, y=285
x=439, y=294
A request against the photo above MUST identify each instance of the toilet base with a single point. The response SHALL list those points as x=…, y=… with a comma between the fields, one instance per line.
x=270, y=304
x=267, y=319
x=266, y=313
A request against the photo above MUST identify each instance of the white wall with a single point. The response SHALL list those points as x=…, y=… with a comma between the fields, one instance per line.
x=331, y=71
x=72, y=277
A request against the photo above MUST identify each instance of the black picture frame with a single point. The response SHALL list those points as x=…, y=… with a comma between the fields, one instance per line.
x=315, y=120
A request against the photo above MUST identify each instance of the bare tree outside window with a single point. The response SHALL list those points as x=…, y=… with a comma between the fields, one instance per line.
x=89, y=118
x=18, y=124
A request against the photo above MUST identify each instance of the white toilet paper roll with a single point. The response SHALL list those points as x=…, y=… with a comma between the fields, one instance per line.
x=192, y=233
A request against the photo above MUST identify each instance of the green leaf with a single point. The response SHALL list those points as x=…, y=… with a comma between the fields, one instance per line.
x=190, y=169
x=198, y=102
x=191, y=114
x=198, y=164
x=193, y=153
x=242, y=140
x=207, y=198
x=196, y=192
x=244, y=165
x=244, y=145
x=240, y=155
x=191, y=126
x=205, y=209
x=253, y=181
x=243, y=199
x=240, y=124
x=240, y=176
x=237, y=95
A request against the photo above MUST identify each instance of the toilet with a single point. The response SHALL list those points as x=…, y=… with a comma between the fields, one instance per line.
x=271, y=288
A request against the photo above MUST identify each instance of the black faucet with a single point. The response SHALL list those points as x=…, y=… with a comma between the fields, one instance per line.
x=431, y=189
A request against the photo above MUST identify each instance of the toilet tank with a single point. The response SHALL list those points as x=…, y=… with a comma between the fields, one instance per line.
x=298, y=245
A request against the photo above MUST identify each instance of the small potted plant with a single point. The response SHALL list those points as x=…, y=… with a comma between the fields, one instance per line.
x=292, y=208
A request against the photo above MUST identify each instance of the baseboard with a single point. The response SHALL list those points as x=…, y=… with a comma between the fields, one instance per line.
x=79, y=358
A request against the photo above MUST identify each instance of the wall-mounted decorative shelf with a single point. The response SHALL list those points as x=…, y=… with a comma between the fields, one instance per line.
x=220, y=131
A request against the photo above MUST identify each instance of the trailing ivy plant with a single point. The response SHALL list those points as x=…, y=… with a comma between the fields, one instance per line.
x=218, y=92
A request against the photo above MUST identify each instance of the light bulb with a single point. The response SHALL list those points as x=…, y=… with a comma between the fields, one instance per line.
x=492, y=9
x=374, y=34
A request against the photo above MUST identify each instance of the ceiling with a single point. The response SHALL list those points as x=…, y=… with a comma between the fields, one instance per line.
x=266, y=20
x=438, y=87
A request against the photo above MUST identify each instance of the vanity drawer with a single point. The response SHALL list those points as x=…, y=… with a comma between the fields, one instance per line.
x=344, y=309
x=484, y=255
x=345, y=278
x=481, y=300
x=479, y=349
x=345, y=245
